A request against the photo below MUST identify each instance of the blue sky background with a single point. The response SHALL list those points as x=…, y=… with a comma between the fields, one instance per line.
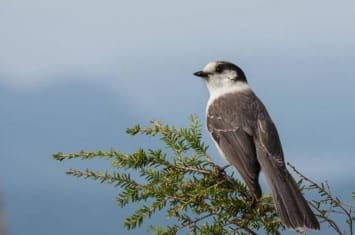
x=74, y=74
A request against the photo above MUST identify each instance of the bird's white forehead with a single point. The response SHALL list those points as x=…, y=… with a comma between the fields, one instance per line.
x=210, y=67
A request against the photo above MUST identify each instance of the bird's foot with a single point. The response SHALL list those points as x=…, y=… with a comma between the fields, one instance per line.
x=219, y=170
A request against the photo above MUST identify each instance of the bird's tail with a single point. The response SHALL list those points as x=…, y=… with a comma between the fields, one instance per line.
x=290, y=204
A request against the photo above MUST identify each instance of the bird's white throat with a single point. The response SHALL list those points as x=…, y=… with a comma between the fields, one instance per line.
x=218, y=91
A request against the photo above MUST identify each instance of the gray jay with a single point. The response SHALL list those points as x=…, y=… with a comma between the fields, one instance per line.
x=247, y=138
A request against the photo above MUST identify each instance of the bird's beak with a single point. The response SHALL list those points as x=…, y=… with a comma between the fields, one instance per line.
x=201, y=74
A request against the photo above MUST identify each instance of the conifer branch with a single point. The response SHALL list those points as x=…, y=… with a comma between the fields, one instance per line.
x=181, y=180
x=327, y=204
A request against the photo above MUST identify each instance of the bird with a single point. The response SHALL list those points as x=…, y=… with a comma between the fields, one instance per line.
x=247, y=138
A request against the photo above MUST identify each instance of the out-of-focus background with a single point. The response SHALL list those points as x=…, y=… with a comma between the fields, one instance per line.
x=74, y=74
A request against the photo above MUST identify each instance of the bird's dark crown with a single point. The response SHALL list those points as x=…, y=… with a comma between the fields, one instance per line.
x=222, y=68
x=225, y=65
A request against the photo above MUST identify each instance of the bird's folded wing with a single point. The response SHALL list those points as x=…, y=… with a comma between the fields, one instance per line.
x=239, y=150
x=269, y=142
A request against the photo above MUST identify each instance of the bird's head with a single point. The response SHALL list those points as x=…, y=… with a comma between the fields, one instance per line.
x=222, y=75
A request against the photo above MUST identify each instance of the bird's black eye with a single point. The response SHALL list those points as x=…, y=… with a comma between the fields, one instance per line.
x=219, y=69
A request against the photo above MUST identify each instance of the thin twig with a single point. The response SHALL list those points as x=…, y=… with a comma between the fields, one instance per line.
x=345, y=209
x=194, y=222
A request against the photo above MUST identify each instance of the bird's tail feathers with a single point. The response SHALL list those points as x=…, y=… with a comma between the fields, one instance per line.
x=290, y=204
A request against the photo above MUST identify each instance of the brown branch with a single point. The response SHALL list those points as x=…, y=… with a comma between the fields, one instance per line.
x=333, y=203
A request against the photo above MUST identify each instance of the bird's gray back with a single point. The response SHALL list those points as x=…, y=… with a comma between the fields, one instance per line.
x=234, y=110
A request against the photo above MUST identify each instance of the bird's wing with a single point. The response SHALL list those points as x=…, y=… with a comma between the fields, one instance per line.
x=238, y=148
x=269, y=142
x=289, y=202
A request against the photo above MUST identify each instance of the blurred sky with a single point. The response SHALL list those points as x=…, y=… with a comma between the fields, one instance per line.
x=74, y=74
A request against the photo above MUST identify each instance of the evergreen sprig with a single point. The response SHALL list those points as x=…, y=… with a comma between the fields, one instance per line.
x=326, y=206
x=181, y=180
